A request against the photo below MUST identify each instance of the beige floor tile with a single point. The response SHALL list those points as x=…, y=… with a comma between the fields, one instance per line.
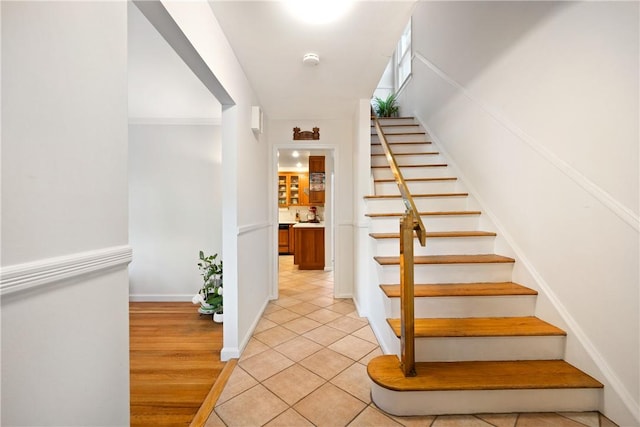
x=282, y=316
x=459, y=421
x=253, y=347
x=342, y=307
x=264, y=324
x=375, y=353
x=417, y=421
x=606, y=422
x=323, y=315
x=499, y=420
x=347, y=324
x=322, y=301
x=352, y=347
x=303, y=308
x=329, y=406
x=590, y=419
x=372, y=416
x=355, y=381
x=275, y=336
x=265, y=364
x=289, y=418
x=254, y=407
x=326, y=363
x=301, y=325
x=325, y=335
x=214, y=421
x=238, y=382
x=545, y=420
x=366, y=333
x=271, y=307
x=287, y=302
x=293, y=384
x=298, y=348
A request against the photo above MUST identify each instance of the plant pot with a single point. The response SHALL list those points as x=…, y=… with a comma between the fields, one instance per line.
x=206, y=309
x=218, y=317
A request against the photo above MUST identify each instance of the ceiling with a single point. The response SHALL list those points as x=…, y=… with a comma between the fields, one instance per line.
x=270, y=42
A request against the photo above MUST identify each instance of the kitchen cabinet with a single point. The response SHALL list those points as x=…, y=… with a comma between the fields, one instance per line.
x=309, y=247
x=286, y=240
x=316, y=180
x=291, y=188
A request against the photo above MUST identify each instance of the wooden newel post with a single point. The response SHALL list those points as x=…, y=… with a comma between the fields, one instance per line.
x=407, y=317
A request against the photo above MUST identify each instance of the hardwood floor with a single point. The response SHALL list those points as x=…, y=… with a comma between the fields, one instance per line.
x=174, y=362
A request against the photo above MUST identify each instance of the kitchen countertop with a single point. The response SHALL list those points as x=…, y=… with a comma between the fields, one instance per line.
x=309, y=225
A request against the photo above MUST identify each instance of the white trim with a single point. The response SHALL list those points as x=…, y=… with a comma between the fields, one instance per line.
x=22, y=277
x=245, y=229
x=613, y=379
x=626, y=214
x=160, y=298
x=236, y=352
x=191, y=121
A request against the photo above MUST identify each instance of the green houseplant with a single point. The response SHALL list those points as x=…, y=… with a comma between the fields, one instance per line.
x=210, y=294
x=387, y=107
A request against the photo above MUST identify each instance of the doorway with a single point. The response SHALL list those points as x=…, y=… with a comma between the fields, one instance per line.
x=293, y=162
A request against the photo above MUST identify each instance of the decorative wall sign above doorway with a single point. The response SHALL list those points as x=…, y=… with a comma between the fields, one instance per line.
x=306, y=134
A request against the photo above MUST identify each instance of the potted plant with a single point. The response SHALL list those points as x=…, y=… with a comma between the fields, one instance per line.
x=386, y=107
x=210, y=295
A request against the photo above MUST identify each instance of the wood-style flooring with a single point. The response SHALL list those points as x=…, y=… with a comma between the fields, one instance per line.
x=174, y=362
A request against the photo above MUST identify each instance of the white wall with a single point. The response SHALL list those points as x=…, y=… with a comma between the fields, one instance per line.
x=64, y=214
x=336, y=136
x=536, y=103
x=175, y=186
x=246, y=240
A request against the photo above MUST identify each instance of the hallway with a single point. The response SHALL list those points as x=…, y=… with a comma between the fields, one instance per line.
x=306, y=365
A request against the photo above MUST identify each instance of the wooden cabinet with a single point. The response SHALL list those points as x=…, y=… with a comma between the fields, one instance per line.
x=316, y=180
x=283, y=240
x=309, y=248
x=291, y=188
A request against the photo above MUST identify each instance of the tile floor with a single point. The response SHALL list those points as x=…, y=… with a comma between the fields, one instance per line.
x=306, y=366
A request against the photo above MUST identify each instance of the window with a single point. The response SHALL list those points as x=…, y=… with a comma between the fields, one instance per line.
x=403, y=57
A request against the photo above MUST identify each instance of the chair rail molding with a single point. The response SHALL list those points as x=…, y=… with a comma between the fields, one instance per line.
x=22, y=277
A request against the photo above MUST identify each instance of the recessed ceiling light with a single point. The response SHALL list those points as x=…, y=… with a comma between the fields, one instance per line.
x=318, y=11
x=295, y=154
x=299, y=165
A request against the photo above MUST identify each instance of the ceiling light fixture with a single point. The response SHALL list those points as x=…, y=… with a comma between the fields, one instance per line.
x=312, y=59
x=295, y=154
x=318, y=11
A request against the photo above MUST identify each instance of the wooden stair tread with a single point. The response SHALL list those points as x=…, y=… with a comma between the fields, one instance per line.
x=396, y=124
x=461, y=289
x=402, y=142
x=398, y=196
x=401, y=133
x=430, y=165
x=399, y=214
x=417, y=153
x=447, y=259
x=436, y=234
x=480, y=327
x=486, y=375
x=450, y=178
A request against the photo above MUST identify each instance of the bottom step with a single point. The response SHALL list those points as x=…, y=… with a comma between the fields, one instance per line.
x=482, y=387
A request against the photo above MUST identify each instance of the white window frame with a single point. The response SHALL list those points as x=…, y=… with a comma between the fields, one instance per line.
x=402, y=65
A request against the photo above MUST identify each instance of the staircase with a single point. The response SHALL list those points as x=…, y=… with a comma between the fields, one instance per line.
x=479, y=347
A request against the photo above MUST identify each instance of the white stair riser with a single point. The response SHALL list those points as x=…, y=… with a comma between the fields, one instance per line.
x=417, y=187
x=431, y=222
x=409, y=159
x=490, y=348
x=405, y=148
x=465, y=306
x=402, y=138
x=424, y=204
x=403, y=128
x=418, y=172
x=438, y=246
x=396, y=120
x=484, y=401
x=450, y=273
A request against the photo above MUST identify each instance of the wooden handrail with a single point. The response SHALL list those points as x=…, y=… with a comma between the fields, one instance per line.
x=409, y=223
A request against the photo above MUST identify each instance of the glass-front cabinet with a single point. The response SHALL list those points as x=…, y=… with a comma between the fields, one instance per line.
x=293, y=189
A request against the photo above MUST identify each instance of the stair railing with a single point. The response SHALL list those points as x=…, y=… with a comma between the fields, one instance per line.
x=409, y=223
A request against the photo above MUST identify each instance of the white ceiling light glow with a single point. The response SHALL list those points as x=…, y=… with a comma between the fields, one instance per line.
x=318, y=11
